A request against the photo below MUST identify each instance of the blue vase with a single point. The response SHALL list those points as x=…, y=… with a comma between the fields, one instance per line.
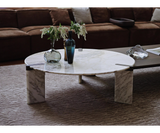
x=70, y=48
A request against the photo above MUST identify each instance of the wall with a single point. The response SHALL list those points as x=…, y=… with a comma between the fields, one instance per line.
x=10, y=6
x=124, y=6
x=26, y=6
x=39, y=6
x=69, y=6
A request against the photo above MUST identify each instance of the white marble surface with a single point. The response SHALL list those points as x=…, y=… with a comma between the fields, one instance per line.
x=86, y=62
x=123, y=87
x=35, y=86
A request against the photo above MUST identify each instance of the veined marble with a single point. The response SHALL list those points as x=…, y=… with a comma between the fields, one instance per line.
x=35, y=86
x=86, y=62
x=123, y=86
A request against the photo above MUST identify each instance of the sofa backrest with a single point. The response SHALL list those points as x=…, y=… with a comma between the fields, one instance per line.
x=8, y=18
x=100, y=14
x=33, y=17
x=122, y=13
x=142, y=14
x=137, y=14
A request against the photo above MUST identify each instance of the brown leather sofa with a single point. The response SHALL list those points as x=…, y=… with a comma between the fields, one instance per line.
x=20, y=33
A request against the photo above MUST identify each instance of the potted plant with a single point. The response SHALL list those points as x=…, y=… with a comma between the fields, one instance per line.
x=64, y=32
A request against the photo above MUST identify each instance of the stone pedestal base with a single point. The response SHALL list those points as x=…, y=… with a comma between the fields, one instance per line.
x=80, y=79
x=123, y=87
x=35, y=86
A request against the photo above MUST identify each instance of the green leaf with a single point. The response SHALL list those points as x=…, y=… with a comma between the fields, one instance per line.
x=72, y=22
x=81, y=23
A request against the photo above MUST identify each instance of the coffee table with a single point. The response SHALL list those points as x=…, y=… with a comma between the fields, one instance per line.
x=151, y=61
x=86, y=62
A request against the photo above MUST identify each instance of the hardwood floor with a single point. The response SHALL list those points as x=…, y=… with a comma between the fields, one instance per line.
x=12, y=63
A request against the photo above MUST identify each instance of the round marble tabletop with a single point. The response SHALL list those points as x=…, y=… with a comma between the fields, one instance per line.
x=86, y=62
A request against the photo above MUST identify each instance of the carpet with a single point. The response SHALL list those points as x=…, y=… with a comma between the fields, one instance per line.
x=71, y=103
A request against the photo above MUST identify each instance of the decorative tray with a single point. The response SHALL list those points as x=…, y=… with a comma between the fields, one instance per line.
x=123, y=22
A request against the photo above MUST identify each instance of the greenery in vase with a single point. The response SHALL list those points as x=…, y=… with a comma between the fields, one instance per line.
x=62, y=31
x=79, y=29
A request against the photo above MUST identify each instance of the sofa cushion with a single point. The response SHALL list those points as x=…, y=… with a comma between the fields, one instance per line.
x=14, y=44
x=98, y=24
x=37, y=43
x=82, y=15
x=33, y=17
x=100, y=15
x=156, y=15
x=142, y=14
x=60, y=16
x=12, y=33
x=157, y=23
x=34, y=30
x=8, y=28
x=109, y=36
x=8, y=18
x=122, y=13
x=144, y=33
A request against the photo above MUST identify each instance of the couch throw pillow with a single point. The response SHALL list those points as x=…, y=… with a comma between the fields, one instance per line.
x=100, y=15
x=82, y=15
x=142, y=14
x=156, y=15
x=60, y=16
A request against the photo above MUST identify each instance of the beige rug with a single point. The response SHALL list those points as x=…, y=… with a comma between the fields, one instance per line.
x=71, y=103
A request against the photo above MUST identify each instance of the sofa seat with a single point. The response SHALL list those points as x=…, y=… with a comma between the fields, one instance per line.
x=109, y=35
x=144, y=34
x=8, y=28
x=14, y=43
x=157, y=23
x=37, y=43
x=34, y=30
x=98, y=24
x=13, y=32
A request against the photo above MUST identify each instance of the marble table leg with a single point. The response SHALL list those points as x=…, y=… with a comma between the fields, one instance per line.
x=35, y=86
x=123, y=86
x=80, y=79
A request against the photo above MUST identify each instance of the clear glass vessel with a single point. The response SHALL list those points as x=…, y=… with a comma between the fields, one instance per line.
x=52, y=56
x=137, y=52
